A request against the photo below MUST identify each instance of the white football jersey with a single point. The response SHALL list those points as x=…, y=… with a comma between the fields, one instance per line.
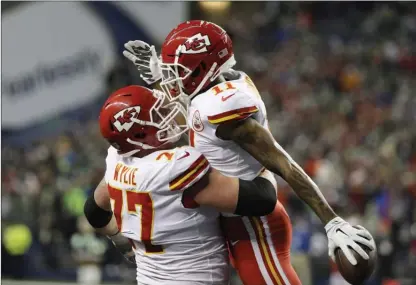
x=175, y=240
x=231, y=100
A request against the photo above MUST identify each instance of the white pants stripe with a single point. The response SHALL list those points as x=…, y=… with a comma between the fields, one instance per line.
x=273, y=251
x=257, y=252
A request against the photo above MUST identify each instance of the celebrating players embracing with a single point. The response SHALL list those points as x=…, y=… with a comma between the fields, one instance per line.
x=165, y=201
x=229, y=126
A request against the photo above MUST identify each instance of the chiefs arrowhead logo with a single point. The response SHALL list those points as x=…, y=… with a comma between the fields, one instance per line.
x=122, y=121
x=197, y=122
x=196, y=44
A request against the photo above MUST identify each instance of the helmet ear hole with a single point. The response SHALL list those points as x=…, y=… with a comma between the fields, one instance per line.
x=140, y=135
x=196, y=72
x=203, y=65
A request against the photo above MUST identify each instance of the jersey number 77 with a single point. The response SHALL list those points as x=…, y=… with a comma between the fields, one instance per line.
x=134, y=199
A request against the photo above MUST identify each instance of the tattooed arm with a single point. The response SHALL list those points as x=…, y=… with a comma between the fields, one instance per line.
x=258, y=142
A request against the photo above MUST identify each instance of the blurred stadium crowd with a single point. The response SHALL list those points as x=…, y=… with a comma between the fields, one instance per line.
x=338, y=81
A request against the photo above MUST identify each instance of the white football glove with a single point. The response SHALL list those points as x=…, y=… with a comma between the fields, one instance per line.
x=144, y=57
x=124, y=246
x=346, y=237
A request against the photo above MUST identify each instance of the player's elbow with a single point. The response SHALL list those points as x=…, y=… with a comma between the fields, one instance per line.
x=229, y=194
x=256, y=198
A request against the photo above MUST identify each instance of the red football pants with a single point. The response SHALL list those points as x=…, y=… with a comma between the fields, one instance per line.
x=260, y=248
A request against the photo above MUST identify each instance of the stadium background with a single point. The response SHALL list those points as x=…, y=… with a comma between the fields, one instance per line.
x=337, y=78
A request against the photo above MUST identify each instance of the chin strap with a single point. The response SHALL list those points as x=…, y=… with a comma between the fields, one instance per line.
x=211, y=75
x=146, y=147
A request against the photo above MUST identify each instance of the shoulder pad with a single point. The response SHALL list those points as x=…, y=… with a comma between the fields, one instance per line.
x=110, y=161
x=230, y=102
x=232, y=75
x=189, y=166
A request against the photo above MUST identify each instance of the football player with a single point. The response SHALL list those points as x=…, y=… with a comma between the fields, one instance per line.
x=229, y=126
x=165, y=201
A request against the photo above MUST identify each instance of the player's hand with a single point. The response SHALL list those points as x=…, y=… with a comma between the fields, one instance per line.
x=346, y=237
x=124, y=246
x=144, y=57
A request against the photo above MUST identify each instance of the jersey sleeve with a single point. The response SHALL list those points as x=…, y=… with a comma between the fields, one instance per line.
x=230, y=105
x=188, y=168
x=110, y=161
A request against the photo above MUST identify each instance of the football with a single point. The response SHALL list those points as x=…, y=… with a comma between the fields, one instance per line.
x=358, y=274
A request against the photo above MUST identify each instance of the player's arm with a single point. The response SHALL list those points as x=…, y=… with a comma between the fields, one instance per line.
x=258, y=142
x=202, y=185
x=233, y=195
x=97, y=210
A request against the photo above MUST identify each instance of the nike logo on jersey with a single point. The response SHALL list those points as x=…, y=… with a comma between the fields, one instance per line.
x=233, y=243
x=225, y=98
x=185, y=155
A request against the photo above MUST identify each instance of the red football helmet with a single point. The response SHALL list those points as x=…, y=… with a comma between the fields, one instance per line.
x=193, y=55
x=133, y=118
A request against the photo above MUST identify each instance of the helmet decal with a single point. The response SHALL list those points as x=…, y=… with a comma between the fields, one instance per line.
x=196, y=44
x=193, y=55
x=122, y=121
x=136, y=118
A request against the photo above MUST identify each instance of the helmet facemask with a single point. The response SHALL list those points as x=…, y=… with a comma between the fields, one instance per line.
x=162, y=117
x=175, y=75
x=193, y=56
